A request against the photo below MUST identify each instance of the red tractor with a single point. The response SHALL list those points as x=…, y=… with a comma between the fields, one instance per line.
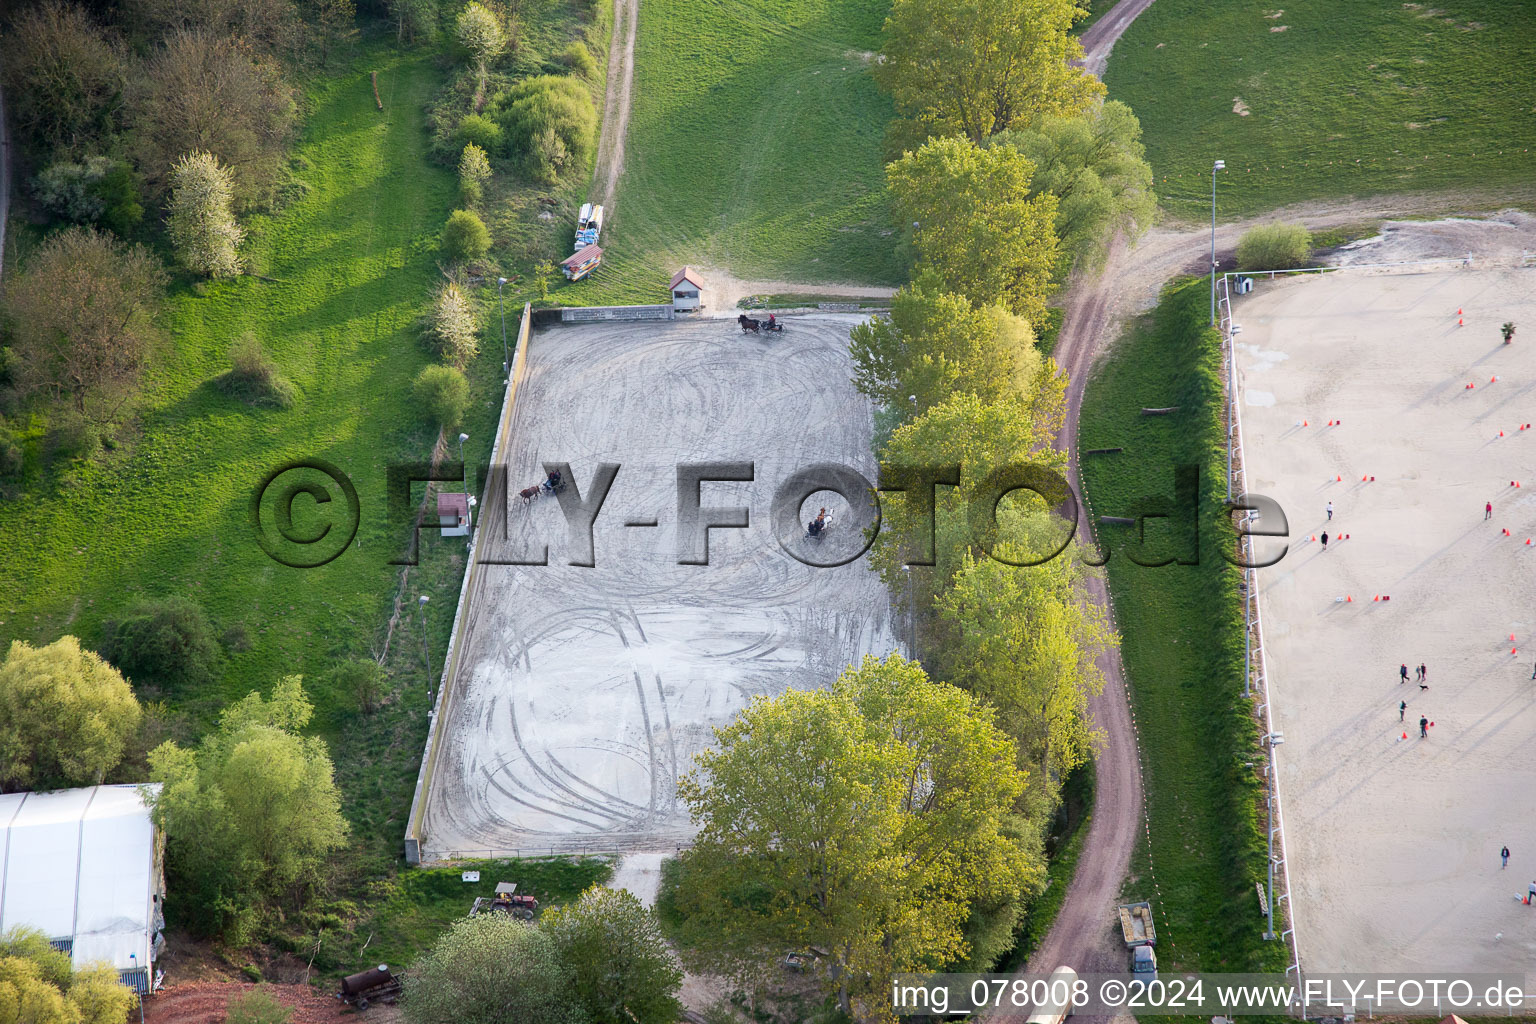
x=506, y=901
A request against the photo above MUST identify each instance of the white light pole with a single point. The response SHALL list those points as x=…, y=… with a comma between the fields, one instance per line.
x=1219, y=165
x=426, y=655
x=506, y=356
x=462, y=439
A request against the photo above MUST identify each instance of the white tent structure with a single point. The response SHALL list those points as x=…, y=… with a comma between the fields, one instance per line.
x=84, y=866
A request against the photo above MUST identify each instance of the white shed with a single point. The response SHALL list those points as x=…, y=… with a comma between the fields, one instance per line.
x=453, y=514
x=85, y=867
x=687, y=290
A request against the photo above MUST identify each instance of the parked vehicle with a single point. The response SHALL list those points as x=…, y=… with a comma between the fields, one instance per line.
x=506, y=901
x=1059, y=991
x=1140, y=936
x=589, y=225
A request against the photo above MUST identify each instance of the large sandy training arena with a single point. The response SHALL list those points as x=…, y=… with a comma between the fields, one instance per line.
x=1394, y=843
x=588, y=691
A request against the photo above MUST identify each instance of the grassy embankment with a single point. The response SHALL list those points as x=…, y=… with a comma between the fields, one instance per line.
x=754, y=145
x=1182, y=638
x=352, y=262
x=1350, y=98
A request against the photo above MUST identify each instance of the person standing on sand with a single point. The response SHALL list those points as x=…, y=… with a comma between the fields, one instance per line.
x=1423, y=727
x=1402, y=709
x=1504, y=857
x=1487, y=511
x=1423, y=677
x=1330, y=511
x=1402, y=670
x=1530, y=896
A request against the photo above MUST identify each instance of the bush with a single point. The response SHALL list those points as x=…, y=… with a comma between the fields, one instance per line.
x=452, y=332
x=362, y=680
x=1274, y=247
x=70, y=437
x=465, y=237
x=168, y=644
x=11, y=459
x=67, y=189
x=579, y=59
x=474, y=172
x=480, y=131
x=252, y=377
x=258, y=1006
x=548, y=122
x=442, y=393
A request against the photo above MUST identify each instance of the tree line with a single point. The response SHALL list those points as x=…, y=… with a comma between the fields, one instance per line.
x=897, y=821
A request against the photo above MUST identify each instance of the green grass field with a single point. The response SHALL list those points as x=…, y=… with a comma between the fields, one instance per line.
x=1182, y=639
x=1349, y=98
x=754, y=145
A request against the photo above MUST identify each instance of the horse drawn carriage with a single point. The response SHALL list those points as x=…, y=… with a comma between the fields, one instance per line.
x=752, y=325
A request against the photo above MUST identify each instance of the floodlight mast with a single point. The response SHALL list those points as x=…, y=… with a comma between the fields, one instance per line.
x=1219, y=165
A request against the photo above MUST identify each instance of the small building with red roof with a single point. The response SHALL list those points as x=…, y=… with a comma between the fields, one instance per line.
x=687, y=290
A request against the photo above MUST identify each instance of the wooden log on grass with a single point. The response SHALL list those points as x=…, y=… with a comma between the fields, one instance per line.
x=1102, y=451
x=1116, y=521
x=376, y=90
x=1164, y=411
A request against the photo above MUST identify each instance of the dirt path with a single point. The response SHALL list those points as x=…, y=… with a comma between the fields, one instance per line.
x=1100, y=37
x=1096, y=308
x=621, y=77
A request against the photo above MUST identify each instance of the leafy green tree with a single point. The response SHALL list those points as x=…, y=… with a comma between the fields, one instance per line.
x=1095, y=166
x=206, y=92
x=465, y=237
x=977, y=228
x=474, y=172
x=934, y=345
x=548, y=123
x=64, y=77
x=335, y=19
x=65, y=716
x=200, y=218
x=975, y=67
x=1274, y=247
x=414, y=19
x=980, y=438
x=250, y=815
x=82, y=319
x=442, y=394
x=453, y=328
x=868, y=819
x=168, y=644
x=1021, y=640
x=39, y=986
x=623, y=971
x=489, y=970
x=479, y=32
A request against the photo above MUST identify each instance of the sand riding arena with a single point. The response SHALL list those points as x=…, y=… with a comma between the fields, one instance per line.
x=583, y=693
x=1392, y=396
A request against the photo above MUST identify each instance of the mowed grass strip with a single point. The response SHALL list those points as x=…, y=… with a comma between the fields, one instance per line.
x=1346, y=98
x=754, y=144
x=353, y=262
x=1182, y=642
